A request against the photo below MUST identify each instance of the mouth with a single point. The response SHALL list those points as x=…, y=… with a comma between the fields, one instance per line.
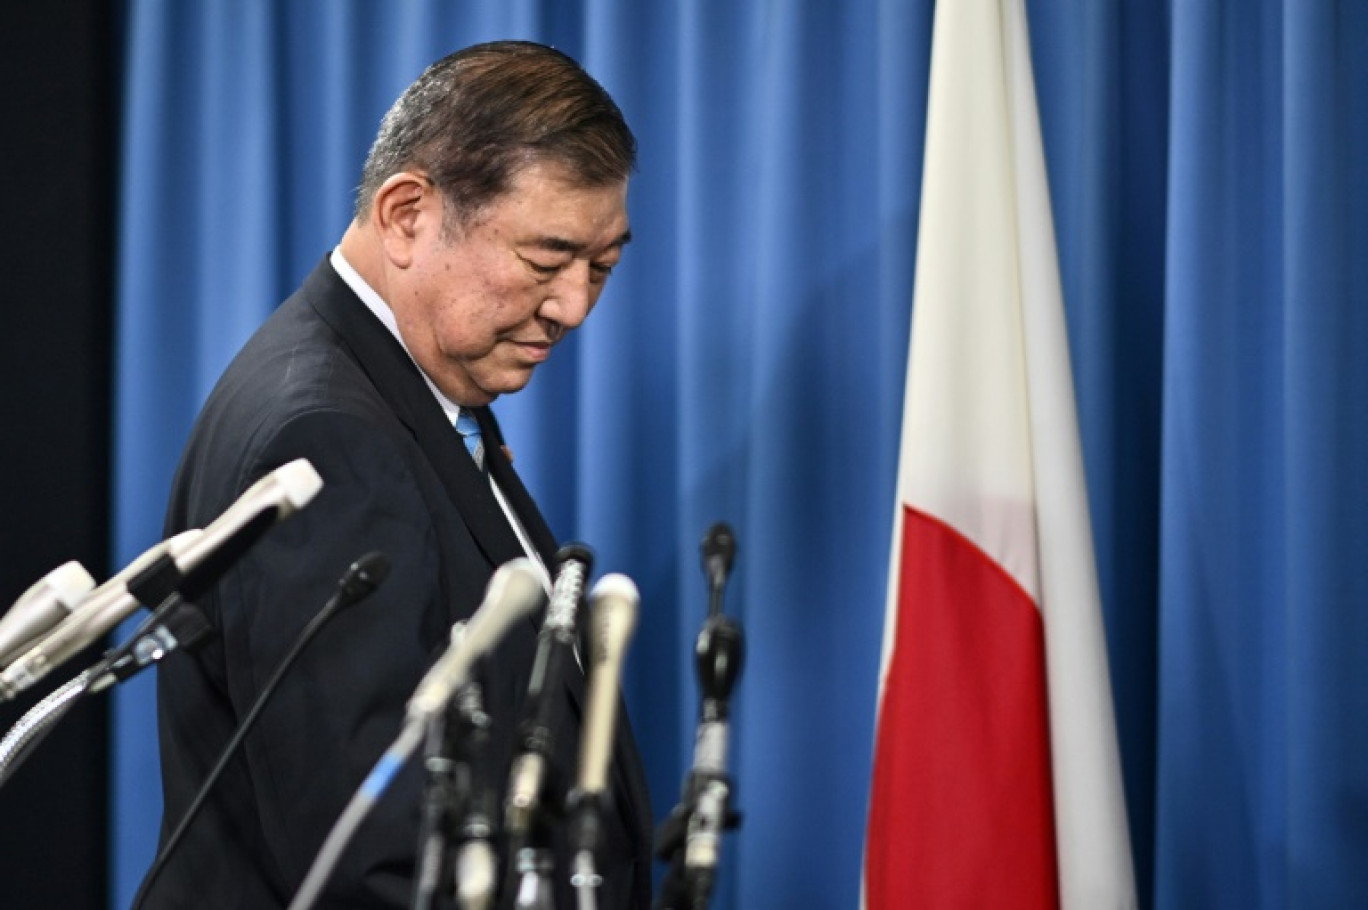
x=536, y=351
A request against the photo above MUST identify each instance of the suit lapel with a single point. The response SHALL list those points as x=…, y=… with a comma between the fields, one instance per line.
x=521, y=501
x=399, y=382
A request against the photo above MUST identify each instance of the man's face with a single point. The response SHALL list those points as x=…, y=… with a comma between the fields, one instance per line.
x=481, y=305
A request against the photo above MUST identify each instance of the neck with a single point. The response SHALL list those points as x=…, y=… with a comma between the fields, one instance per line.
x=362, y=250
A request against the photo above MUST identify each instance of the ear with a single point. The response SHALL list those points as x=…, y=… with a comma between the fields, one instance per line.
x=404, y=207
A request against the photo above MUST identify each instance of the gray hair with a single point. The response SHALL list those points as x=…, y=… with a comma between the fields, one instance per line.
x=474, y=118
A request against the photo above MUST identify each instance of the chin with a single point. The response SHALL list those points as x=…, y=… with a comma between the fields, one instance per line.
x=507, y=385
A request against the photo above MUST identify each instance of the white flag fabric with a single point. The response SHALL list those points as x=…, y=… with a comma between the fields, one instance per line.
x=997, y=776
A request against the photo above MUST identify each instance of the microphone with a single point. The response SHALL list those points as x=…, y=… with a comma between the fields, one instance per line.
x=555, y=641
x=361, y=578
x=101, y=610
x=696, y=824
x=719, y=550
x=476, y=861
x=273, y=498
x=514, y=591
x=187, y=567
x=41, y=607
x=614, y=603
x=476, y=875
x=719, y=654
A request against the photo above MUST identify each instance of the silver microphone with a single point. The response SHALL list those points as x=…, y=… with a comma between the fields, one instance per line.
x=187, y=563
x=514, y=591
x=613, y=603
x=101, y=610
x=49, y=601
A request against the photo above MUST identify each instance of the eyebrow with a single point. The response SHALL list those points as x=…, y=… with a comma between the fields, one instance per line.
x=563, y=245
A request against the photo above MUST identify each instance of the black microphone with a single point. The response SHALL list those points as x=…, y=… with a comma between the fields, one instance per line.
x=719, y=550
x=691, y=837
x=460, y=807
x=187, y=565
x=361, y=578
x=719, y=655
x=555, y=645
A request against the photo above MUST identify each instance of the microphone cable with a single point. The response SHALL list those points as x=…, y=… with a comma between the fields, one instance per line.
x=361, y=578
x=177, y=623
x=37, y=722
x=366, y=796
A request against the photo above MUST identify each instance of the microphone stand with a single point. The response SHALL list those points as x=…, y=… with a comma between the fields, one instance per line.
x=690, y=838
x=586, y=835
x=440, y=799
x=533, y=866
x=176, y=623
x=455, y=738
x=533, y=861
x=477, y=866
x=527, y=810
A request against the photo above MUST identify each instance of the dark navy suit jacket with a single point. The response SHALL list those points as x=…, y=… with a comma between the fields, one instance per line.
x=324, y=380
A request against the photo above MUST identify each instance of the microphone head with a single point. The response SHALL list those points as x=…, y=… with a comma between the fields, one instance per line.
x=46, y=603
x=364, y=575
x=515, y=591
x=299, y=483
x=718, y=549
x=66, y=585
x=614, y=602
x=273, y=498
x=579, y=553
x=573, y=563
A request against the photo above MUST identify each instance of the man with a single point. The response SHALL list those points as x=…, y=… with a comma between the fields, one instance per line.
x=491, y=211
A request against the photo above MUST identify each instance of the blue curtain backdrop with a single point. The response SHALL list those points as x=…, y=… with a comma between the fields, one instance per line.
x=1209, y=171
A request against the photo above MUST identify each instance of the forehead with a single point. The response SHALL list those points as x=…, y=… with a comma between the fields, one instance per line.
x=543, y=200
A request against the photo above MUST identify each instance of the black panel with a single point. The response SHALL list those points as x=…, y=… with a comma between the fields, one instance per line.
x=57, y=119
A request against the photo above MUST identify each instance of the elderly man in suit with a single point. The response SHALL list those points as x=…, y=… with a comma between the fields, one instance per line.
x=491, y=211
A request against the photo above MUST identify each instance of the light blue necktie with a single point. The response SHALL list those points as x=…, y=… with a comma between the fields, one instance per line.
x=469, y=429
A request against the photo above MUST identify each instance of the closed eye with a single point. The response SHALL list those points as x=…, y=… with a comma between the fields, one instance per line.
x=544, y=270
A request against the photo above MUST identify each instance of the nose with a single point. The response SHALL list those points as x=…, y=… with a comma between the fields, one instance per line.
x=572, y=296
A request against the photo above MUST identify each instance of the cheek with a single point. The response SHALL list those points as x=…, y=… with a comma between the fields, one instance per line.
x=475, y=300
x=471, y=321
